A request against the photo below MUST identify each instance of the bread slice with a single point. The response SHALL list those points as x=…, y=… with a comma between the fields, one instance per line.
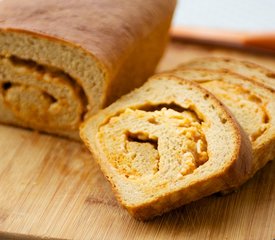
x=247, y=69
x=60, y=60
x=252, y=104
x=166, y=144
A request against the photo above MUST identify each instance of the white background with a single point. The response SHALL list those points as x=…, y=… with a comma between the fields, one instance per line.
x=243, y=15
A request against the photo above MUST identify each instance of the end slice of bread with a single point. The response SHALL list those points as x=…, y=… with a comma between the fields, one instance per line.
x=252, y=104
x=250, y=70
x=166, y=144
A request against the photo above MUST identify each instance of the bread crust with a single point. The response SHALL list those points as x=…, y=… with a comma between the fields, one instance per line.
x=250, y=70
x=107, y=35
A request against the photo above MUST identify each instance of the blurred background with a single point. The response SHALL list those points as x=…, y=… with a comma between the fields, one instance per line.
x=242, y=23
x=222, y=28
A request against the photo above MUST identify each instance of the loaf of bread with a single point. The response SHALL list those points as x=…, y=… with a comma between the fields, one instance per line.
x=60, y=60
x=252, y=104
x=247, y=69
x=166, y=144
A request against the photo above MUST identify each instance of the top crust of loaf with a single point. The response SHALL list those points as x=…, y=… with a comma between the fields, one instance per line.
x=250, y=70
x=225, y=167
x=112, y=28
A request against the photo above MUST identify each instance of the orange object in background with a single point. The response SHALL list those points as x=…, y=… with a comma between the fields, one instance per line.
x=260, y=41
x=243, y=24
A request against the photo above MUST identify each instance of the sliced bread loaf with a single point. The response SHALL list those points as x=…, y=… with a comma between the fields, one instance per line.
x=166, y=144
x=251, y=70
x=252, y=104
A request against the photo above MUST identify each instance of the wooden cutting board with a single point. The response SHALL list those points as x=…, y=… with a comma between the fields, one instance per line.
x=51, y=188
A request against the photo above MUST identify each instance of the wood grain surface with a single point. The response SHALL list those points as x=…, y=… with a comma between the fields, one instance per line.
x=51, y=188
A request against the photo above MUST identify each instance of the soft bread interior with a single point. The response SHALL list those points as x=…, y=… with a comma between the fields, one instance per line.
x=252, y=104
x=47, y=85
x=163, y=139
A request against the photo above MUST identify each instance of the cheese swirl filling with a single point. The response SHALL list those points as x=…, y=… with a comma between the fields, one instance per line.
x=40, y=95
x=161, y=142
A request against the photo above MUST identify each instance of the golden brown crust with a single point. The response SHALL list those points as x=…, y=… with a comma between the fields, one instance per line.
x=105, y=28
x=253, y=71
